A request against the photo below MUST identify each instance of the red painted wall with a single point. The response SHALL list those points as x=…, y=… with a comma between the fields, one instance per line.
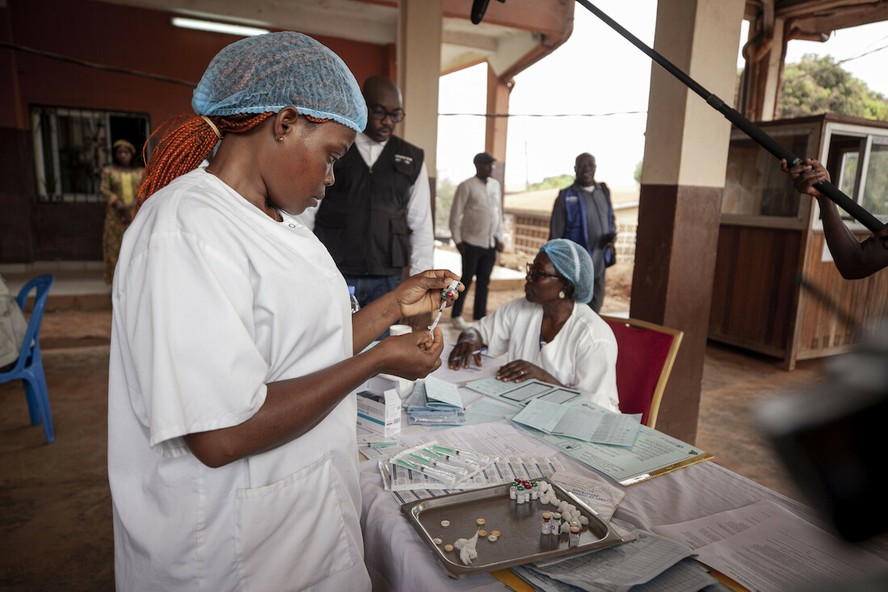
x=129, y=38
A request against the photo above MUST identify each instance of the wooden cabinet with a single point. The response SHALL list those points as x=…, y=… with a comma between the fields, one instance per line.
x=776, y=290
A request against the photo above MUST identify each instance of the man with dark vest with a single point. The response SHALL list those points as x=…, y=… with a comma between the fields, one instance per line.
x=376, y=218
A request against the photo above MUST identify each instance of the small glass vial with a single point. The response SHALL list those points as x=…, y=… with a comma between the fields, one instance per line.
x=546, y=527
x=513, y=491
x=520, y=494
x=555, y=524
x=573, y=538
x=534, y=490
x=355, y=305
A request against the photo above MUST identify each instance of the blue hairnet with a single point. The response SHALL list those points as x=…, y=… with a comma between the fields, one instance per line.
x=277, y=70
x=574, y=263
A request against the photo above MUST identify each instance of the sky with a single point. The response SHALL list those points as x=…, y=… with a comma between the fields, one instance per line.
x=601, y=81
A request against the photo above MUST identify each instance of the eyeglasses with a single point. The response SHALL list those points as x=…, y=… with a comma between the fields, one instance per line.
x=534, y=273
x=377, y=112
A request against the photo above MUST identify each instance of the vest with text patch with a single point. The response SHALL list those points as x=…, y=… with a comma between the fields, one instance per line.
x=362, y=220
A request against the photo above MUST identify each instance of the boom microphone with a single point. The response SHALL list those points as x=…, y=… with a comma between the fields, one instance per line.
x=479, y=7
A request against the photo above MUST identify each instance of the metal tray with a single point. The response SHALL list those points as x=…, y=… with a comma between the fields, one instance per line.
x=520, y=541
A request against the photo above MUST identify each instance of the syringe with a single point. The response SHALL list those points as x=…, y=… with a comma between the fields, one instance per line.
x=450, y=292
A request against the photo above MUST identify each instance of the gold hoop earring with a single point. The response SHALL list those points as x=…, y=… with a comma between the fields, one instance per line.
x=561, y=294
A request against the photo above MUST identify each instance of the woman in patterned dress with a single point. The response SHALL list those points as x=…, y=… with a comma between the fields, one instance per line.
x=120, y=184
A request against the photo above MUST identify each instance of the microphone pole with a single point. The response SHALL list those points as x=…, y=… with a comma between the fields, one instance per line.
x=753, y=131
x=479, y=7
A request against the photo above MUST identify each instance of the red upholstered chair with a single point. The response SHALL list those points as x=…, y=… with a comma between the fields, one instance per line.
x=646, y=354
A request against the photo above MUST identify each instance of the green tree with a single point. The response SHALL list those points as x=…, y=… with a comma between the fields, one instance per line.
x=637, y=174
x=820, y=85
x=559, y=182
x=444, y=191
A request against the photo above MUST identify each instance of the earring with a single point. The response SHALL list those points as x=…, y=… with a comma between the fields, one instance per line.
x=561, y=294
x=280, y=138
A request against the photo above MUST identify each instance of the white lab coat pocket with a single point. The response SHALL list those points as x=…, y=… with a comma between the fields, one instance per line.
x=291, y=534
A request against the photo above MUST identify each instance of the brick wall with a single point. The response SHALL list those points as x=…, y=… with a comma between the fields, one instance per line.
x=526, y=231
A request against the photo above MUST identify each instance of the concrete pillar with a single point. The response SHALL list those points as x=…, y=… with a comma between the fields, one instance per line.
x=774, y=66
x=419, y=59
x=765, y=52
x=496, y=130
x=686, y=149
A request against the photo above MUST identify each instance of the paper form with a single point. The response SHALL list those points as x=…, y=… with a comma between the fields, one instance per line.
x=487, y=410
x=491, y=386
x=685, y=575
x=581, y=423
x=621, y=567
x=768, y=548
x=440, y=392
x=593, y=491
x=653, y=453
x=522, y=393
x=493, y=439
x=463, y=376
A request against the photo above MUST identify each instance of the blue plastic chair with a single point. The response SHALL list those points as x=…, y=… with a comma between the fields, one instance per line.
x=29, y=366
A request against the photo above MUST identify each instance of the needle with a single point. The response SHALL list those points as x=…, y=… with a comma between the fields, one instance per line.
x=437, y=319
x=450, y=292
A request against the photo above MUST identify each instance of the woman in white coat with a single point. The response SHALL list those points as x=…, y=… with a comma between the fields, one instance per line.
x=551, y=334
x=232, y=453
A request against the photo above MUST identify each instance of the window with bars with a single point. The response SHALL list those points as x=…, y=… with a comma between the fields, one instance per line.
x=72, y=145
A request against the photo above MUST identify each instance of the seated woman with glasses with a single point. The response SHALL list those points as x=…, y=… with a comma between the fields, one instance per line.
x=550, y=334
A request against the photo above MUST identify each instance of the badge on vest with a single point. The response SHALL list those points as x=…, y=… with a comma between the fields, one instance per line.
x=403, y=159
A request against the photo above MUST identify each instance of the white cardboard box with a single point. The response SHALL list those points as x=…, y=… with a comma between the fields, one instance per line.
x=379, y=406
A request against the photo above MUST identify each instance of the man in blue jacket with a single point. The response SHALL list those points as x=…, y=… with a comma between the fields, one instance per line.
x=583, y=213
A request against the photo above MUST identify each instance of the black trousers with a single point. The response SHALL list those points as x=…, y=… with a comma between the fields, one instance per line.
x=598, y=294
x=477, y=262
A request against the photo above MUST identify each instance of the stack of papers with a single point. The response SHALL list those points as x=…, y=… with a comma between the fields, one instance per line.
x=766, y=547
x=649, y=562
x=435, y=402
x=582, y=423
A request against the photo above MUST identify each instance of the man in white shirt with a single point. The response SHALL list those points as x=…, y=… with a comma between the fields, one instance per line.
x=376, y=219
x=476, y=224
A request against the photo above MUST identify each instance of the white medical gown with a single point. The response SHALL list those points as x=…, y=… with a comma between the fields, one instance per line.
x=583, y=354
x=212, y=300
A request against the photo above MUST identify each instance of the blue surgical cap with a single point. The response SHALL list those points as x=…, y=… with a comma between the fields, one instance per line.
x=267, y=73
x=574, y=263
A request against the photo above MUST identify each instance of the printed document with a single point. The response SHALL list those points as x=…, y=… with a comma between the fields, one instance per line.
x=581, y=423
x=765, y=547
x=440, y=392
x=595, y=492
x=653, y=453
x=621, y=567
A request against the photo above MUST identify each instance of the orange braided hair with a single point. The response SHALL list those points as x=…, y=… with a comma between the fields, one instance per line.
x=185, y=142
